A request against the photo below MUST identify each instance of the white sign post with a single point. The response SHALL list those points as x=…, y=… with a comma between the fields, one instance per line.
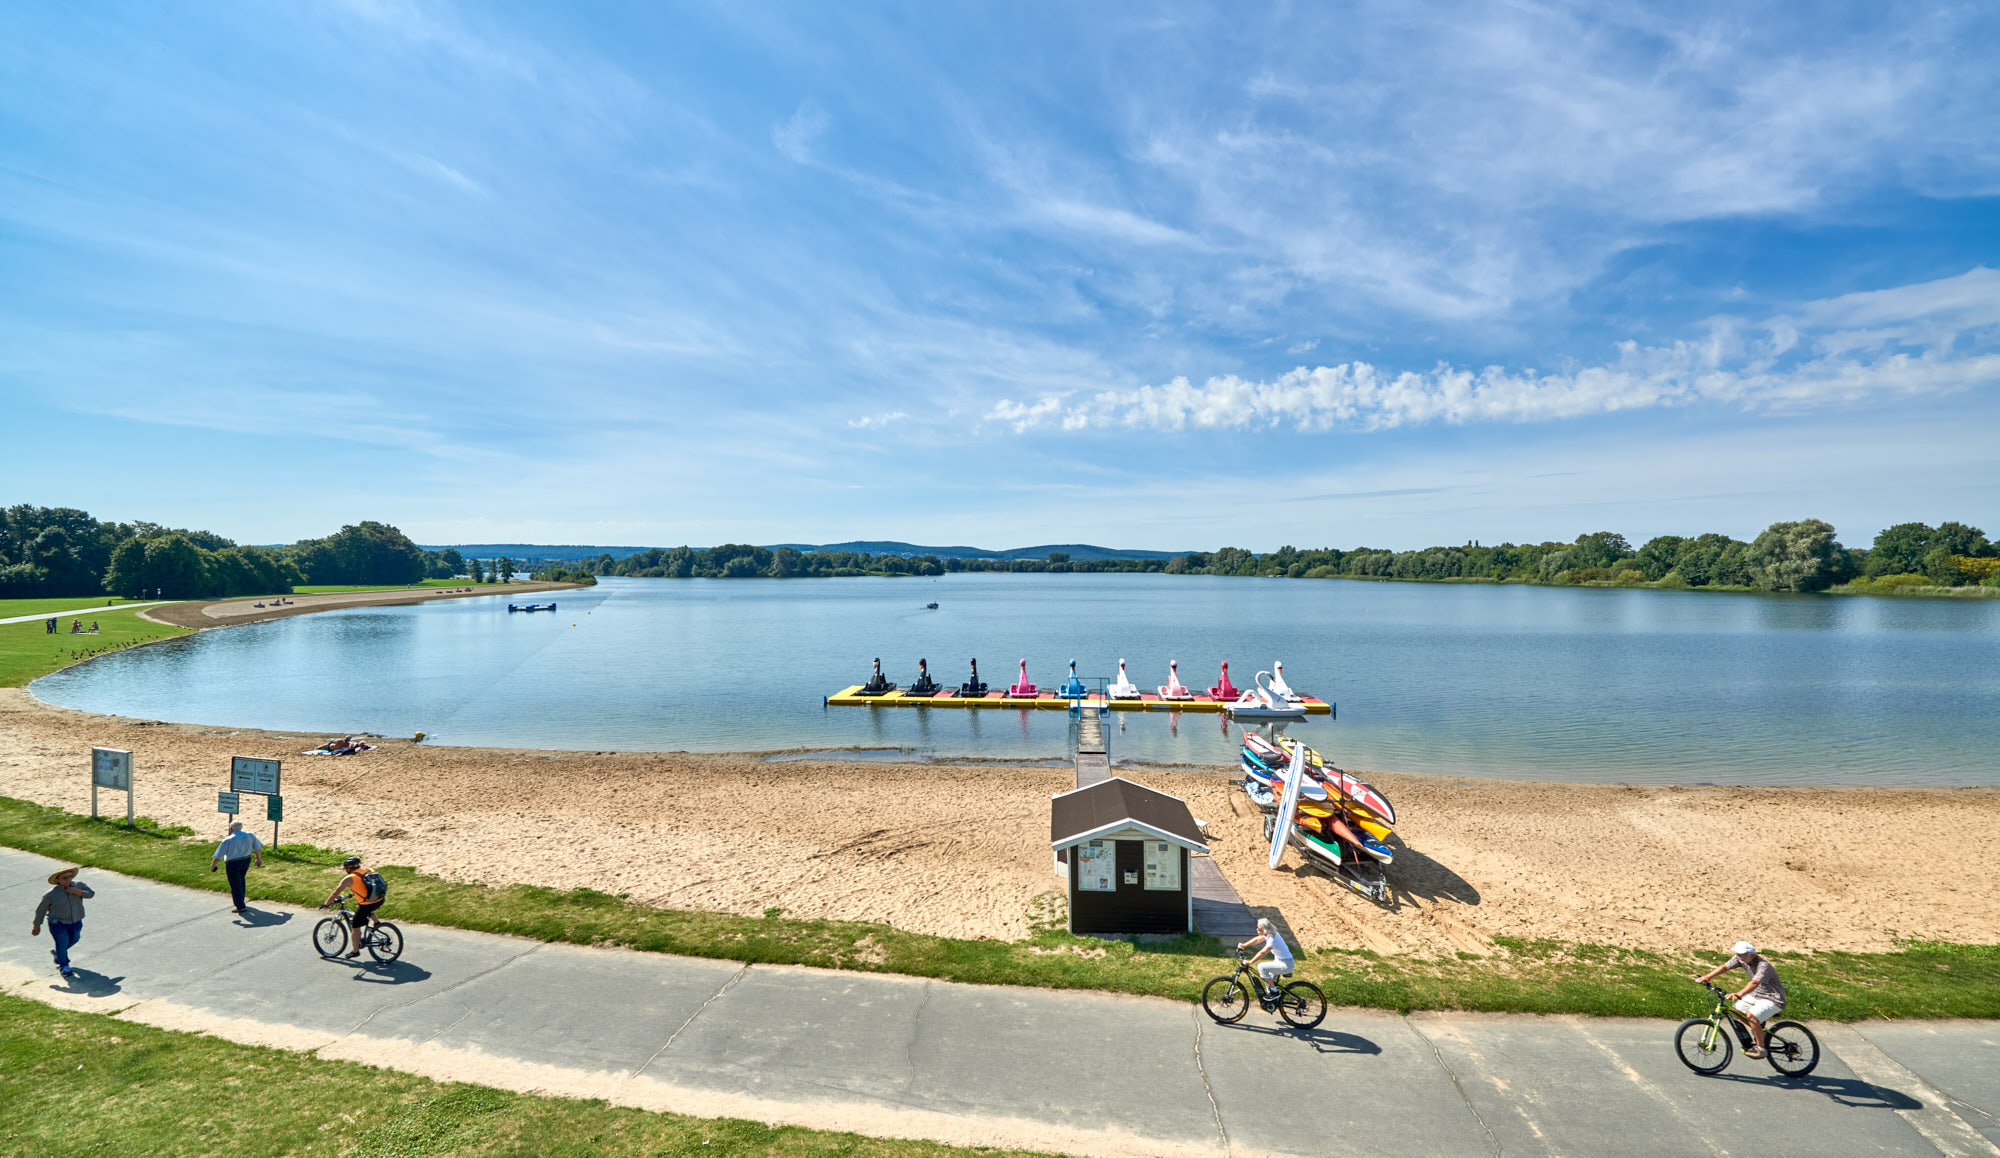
x=111, y=768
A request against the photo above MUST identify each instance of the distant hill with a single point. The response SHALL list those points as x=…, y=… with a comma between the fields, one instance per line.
x=520, y=551
x=571, y=553
x=1077, y=551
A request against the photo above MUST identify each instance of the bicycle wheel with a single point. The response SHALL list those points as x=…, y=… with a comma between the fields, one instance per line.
x=330, y=937
x=1302, y=1004
x=1226, y=999
x=385, y=942
x=1791, y=1048
x=1703, y=1045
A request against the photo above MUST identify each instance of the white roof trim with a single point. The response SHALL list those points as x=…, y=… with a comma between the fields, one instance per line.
x=1128, y=822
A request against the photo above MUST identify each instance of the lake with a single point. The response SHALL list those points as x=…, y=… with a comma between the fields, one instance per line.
x=1476, y=679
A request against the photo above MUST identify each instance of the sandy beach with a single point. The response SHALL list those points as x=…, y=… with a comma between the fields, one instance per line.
x=201, y=614
x=961, y=850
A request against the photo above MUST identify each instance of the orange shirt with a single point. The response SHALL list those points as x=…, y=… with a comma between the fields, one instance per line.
x=358, y=887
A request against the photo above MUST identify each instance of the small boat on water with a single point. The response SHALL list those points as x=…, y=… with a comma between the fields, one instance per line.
x=930, y=607
x=1124, y=689
x=531, y=607
x=1265, y=702
x=1172, y=689
x=1023, y=689
x=1074, y=689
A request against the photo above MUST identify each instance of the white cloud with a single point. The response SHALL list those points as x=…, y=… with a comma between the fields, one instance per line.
x=1305, y=347
x=795, y=135
x=877, y=420
x=1908, y=348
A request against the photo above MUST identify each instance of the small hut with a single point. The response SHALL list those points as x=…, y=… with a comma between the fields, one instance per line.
x=1124, y=849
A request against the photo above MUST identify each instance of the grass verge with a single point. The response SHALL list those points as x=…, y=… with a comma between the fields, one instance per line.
x=28, y=652
x=1922, y=979
x=88, y=1083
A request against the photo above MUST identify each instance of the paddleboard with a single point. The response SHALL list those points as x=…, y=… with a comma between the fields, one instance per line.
x=1287, y=805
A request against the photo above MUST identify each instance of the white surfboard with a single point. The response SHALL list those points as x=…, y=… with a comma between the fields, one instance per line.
x=1289, y=803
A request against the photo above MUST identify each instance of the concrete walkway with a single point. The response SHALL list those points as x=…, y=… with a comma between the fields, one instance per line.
x=1075, y=1072
x=99, y=609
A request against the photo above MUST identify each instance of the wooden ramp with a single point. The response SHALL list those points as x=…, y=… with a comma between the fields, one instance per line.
x=1093, y=760
x=1218, y=911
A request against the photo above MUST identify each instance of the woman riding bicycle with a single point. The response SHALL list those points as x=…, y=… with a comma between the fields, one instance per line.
x=356, y=884
x=1269, y=941
x=1761, y=999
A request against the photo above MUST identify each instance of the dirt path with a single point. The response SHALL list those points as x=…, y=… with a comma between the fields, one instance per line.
x=230, y=612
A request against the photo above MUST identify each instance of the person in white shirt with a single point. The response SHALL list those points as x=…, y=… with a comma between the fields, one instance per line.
x=1272, y=943
x=236, y=851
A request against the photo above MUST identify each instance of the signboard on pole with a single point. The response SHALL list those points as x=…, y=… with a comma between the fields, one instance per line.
x=111, y=768
x=249, y=774
x=274, y=810
x=228, y=802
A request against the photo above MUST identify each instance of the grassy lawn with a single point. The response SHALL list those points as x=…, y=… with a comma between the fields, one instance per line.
x=87, y=1083
x=1921, y=980
x=28, y=652
x=337, y=589
x=9, y=608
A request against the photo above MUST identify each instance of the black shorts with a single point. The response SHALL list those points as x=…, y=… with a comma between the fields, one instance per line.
x=359, y=919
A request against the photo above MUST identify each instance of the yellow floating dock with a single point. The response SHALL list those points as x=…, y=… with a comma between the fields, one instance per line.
x=1047, y=701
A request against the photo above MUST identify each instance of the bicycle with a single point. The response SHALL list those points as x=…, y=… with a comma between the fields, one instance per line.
x=1704, y=1048
x=383, y=941
x=1227, y=999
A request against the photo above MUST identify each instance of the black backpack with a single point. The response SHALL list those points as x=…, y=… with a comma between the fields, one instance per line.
x=377, y=887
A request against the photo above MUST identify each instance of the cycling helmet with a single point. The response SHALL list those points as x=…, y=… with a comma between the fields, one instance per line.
x=352, y=862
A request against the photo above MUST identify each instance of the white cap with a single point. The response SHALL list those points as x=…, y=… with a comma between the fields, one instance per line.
x=1742, y=947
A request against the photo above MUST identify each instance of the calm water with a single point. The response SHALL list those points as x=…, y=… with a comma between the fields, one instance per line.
x=1585, y=684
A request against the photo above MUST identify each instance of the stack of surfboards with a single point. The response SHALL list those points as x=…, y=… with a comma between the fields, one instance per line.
x=1339, y=818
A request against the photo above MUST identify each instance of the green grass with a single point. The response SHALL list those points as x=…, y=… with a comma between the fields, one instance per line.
x=1922, y=979
x=9, y=608
x=27, y=652
x=88, y=1083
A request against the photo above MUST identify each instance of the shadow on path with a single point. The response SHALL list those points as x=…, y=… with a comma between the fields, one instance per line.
x=254, y=918
x=83, y=982
x=1322, y=1041
x=375, y=973
x=1852, y=1092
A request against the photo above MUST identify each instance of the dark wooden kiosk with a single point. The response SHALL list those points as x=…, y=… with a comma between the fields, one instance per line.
x=1126, y=851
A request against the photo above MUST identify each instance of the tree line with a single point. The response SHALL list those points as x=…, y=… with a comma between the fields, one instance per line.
x=1803, y=555
x=62, y=551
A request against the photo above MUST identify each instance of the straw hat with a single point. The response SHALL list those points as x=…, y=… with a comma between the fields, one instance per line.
x=55, y=878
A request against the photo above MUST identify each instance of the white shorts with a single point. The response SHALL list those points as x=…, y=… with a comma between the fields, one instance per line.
x=1761, y=1008
x=1272, y=970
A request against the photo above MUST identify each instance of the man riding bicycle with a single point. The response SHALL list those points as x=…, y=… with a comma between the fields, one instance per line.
x=366, y=900
x=1269, y=942
x=1761, y=999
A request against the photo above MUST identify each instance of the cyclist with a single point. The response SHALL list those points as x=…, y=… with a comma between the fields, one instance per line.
x=355, y=883
x=1269, y=941
x=1761, y=998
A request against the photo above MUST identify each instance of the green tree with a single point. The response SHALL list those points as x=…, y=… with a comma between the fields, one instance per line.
x=176, y=568
x=1659, y=555
x=451, y=562
x=1800, y=556
x=505, y=568
x=127, y=570
x=1900, y=550
x=476, y=570
x=1599, y=549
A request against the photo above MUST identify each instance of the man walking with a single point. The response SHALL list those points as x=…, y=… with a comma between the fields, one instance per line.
x=236, y=851
x=63, y=906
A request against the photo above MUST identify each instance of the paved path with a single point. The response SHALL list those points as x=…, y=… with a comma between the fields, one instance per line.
x=94, y=609
x=1078, y=1072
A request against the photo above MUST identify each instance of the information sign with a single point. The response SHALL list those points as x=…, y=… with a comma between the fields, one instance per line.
x=228, y=802
x=274, y=808
x=249, y=774
x=1163, y=865
x=111, y=768
x=1096, y=870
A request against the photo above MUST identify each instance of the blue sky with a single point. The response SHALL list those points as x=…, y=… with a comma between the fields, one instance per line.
x=1163, y=276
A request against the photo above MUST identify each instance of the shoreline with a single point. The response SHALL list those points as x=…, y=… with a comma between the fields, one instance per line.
x=206, y=614
x=960, y=849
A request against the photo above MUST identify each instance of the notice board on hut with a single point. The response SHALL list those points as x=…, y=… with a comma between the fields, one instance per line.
x=1124, y=849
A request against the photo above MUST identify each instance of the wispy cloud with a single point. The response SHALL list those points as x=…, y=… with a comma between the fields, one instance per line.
x=1909, y=347
x=877, y=420
x=795, y=136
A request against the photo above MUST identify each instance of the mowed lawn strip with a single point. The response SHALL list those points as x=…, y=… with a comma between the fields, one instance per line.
x=28, y=652
x=1921, y=980
x=88, y=1083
